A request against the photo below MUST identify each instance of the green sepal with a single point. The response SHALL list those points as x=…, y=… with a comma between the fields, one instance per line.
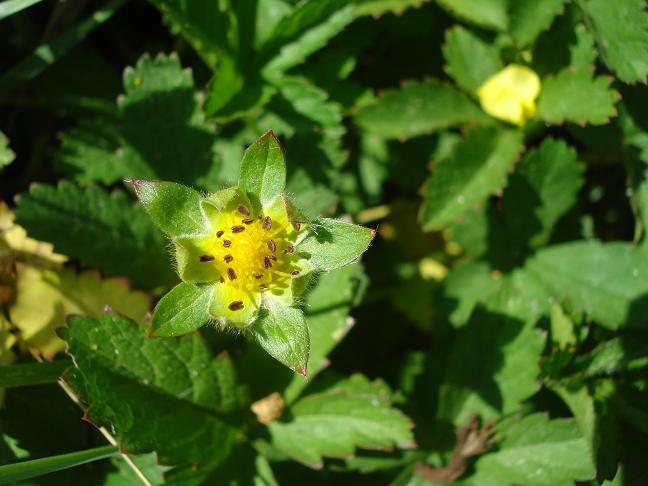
x=182, y=310
x=334, y=243
x=283, y=332
x=263, y=170
x=174, y=208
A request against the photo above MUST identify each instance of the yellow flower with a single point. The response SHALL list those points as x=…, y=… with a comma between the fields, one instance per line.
x=247, y=255
x=510, y=94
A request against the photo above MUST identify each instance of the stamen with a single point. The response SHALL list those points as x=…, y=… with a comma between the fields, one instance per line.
x=271, y=246
x=294, y=272
x=289, y=249
x=267, y=223
x=266, y=262
x=272, y=257
x=206, y=257
x=236, y=305
x=220, y=233
x=247, y=221
x=263, y=286
x=243, y=210
x=258, y=275
x=221, y=280
x=231, y=274
x=228, y=258
x=296, y=225
x=238, y=229
x=227, y=243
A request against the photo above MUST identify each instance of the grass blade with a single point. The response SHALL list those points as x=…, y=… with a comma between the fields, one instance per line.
x=12, y=473
x=47, y=54
x=31, y=373
x=11, y=7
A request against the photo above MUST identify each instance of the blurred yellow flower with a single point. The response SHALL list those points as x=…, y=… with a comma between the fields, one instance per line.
x=510, y=94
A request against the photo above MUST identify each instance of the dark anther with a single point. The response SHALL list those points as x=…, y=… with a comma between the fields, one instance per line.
x=267, y=223
x=289, y=249
x=228, y=258
x=243, y=210
x=227, y=243
x=272, y=257
x=266, y=262
x=220, y=233
x=263, y=286
x=296, y=225
x=271, y=246
x=236, y=305
x=238, y=229
x=231, y=274
x=221, y=280
x=294, y=272
x=206, y=258
x=258, y=275
x=247, y=221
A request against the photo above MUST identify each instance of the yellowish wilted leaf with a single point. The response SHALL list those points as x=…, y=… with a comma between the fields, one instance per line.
x=44, y=297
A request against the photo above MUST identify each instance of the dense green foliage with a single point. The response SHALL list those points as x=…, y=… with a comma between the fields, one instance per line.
x=495, y=332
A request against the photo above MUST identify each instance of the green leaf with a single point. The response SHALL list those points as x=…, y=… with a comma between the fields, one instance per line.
x=174, y=208
x=575, y=95
x=529, y=17
x=618, y=355
x=10, y=7
x=567, y=44
x=310, y=39
x=621, y=32
x=158, y=132
x=485, y=13
x=11, y=473
x=6, y=154
x=493, y=364
x=182, y=310
x=373, y=166
x=206, y=26
x=334, y=243
x=597, y=426
x=542, y=189
x=470, y=60
x=50, y=52
x=477, y=168
x=102, y=230
x=606, y=280
x=165, y=395
x=263, y=170
x=536, y=451
x=379, y=7
x=466, y=285
x=310, y=101
x=417, y=109
x=337, y=421
x=32, y=373
x=283, y=332
x=562, y=328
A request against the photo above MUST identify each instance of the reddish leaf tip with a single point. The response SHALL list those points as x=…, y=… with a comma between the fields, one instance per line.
x=302, y=371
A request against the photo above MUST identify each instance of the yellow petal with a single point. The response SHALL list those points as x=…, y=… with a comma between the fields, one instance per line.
x=510, y=94
x=234, y=305
x=190, y=267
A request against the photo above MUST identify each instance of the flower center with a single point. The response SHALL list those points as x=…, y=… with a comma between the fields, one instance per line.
x=251, y=254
